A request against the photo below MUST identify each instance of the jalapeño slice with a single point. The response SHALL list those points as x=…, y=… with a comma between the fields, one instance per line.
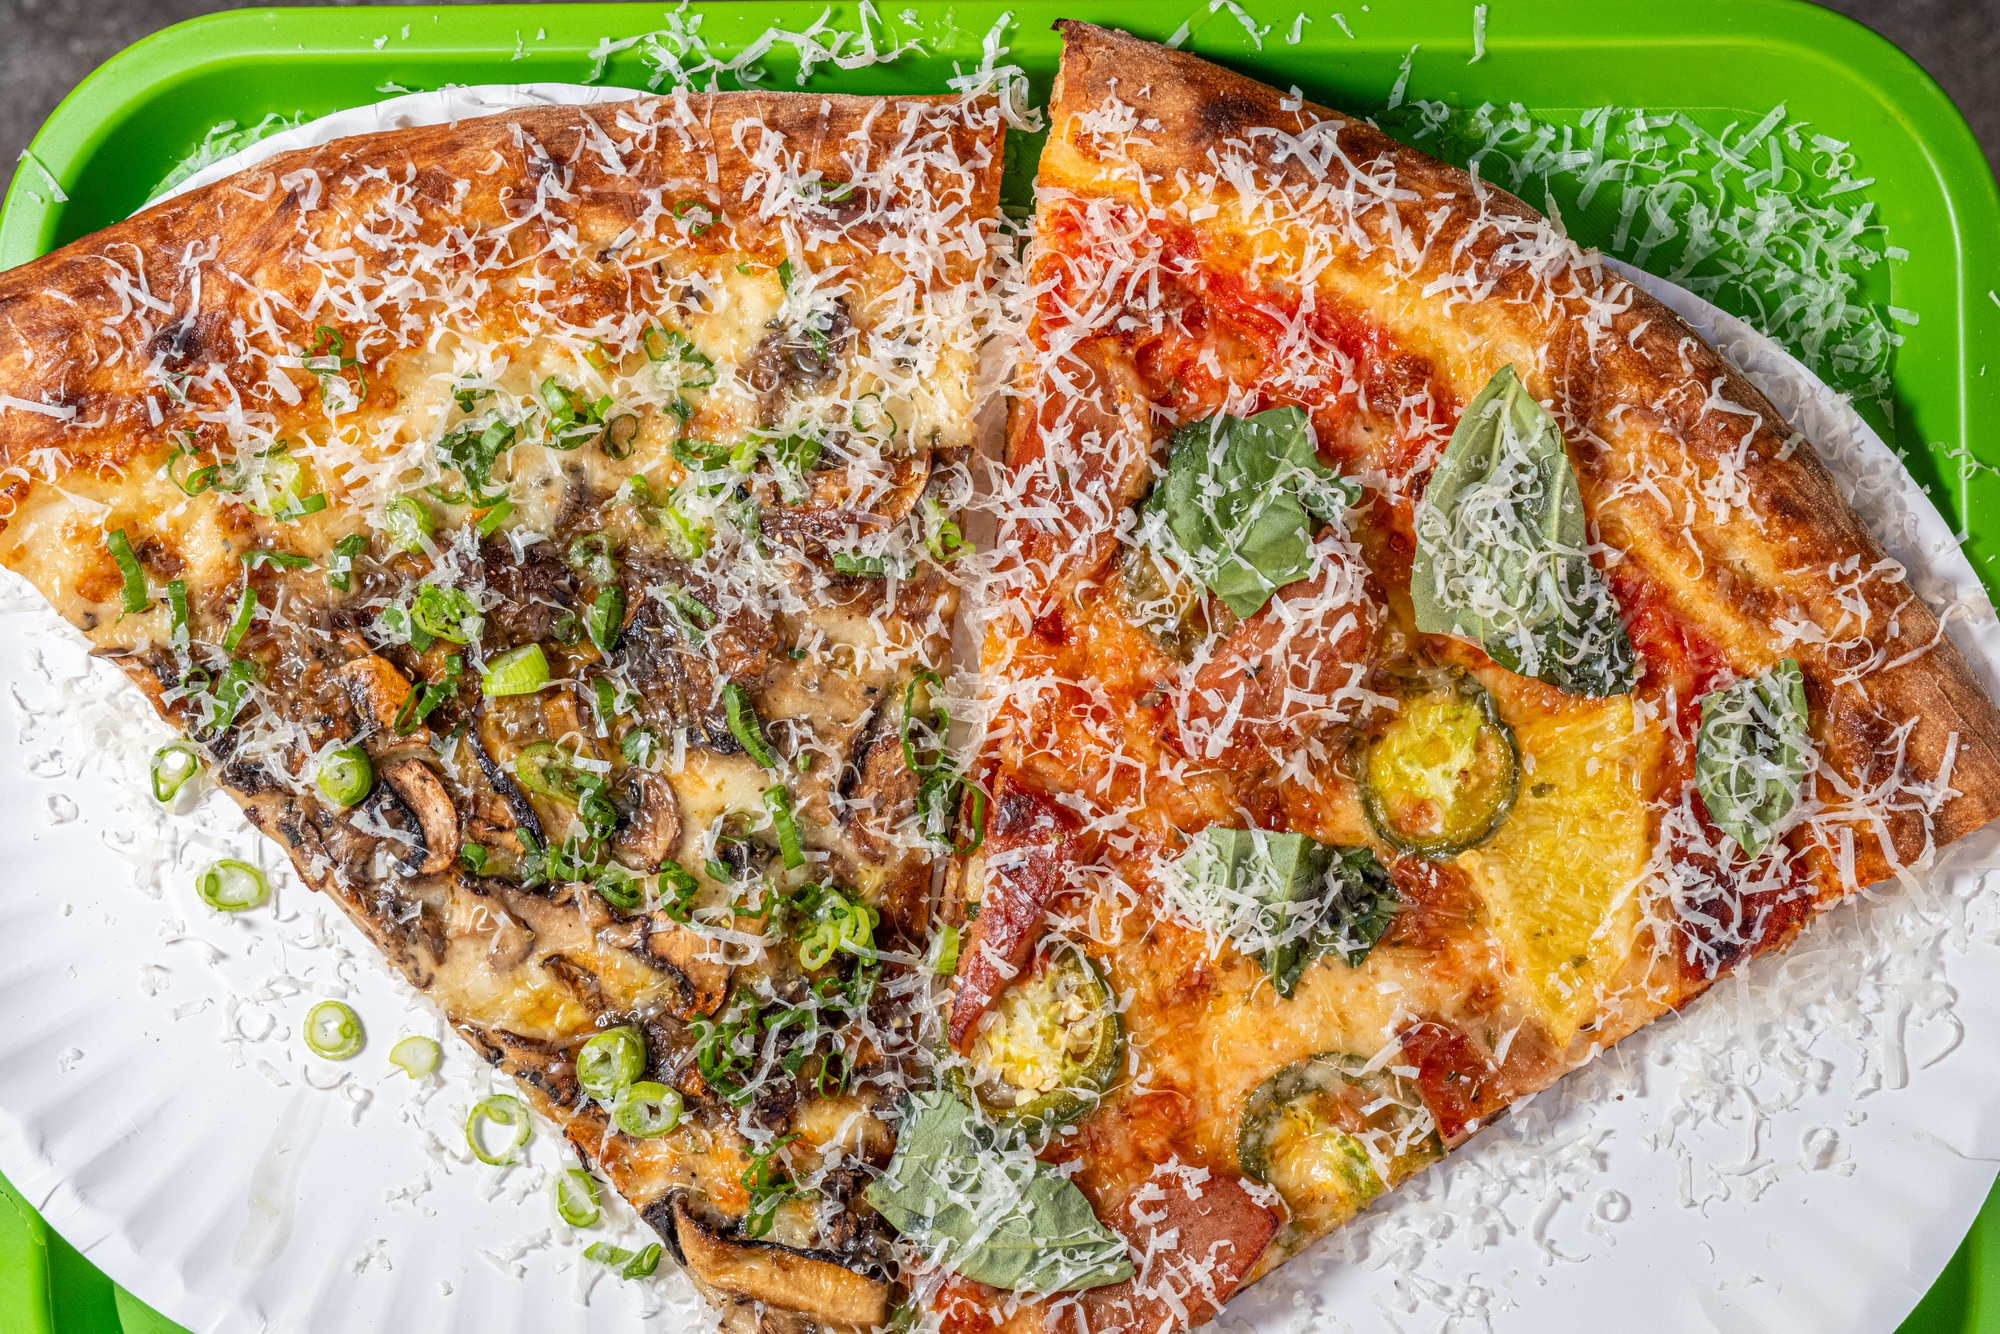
x=1330, y=1138
x=1442, y=776
x=1049, y=1046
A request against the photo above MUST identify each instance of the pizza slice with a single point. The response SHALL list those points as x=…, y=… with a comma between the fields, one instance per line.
x=541, y=525
x=1419, y=661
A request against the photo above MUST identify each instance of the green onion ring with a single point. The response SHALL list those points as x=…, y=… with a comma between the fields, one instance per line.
x=609, y=1062
x=502, y=1110
x=334, y=1031
x=519, y=671
x=409, y=523
x=643, y=1264
x=232, y=886
x=173, y=764
x=648, y=1110
x=415, y=1056
x=576, y=1198
x=346, y=776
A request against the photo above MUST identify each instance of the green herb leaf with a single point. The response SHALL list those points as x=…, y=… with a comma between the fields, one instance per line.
x=1029, y=1229
x=1500, y=550
x=1285, y=899
x=1753, y=753
x=1236, y=501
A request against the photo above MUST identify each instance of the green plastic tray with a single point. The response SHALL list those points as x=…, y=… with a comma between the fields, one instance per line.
x=126, y=126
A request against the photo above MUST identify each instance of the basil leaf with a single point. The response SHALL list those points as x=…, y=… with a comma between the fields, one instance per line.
x=1753, y=753
x=997, y=1217
x=1236, y=498
x=1500, y=550
x=1285, y=899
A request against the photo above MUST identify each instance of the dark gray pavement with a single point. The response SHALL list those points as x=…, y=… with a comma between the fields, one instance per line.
x=47, y=46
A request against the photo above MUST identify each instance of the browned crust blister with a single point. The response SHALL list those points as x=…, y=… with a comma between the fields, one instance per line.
x=1633, y=392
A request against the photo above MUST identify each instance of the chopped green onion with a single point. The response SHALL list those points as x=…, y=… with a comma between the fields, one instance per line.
x=409, y=523
x=689, y=612
x=547, y=770
x=177, y=618
x=346, y=776
x=311, y=504
x=333, y=1031
x=415, y=1056
x=678, y=889
x=284, y=560
x=173, y=764
x=604, y=620
x=636, y=1264
x=877, y=414
x=344, y=552
x=785, y=274
x=591, y=555
x=519, y=671
x=702, y=455
x=502, y=1110
x=621, y=436
x=942, y=537
x=135, y=598
x=576, y=1198
x=495, y=516
x=620, y=888
x=231, y=689
x=473, y=858
x=608, y=1063
x=606, y=699
x=239, y=625
x=947, y=953
x=648, y=1110
x=446, y=613
x=778, y=802
x=865, y=567
x=232, y=886
x=639, y=746
x=688, y=537
x=743, y=725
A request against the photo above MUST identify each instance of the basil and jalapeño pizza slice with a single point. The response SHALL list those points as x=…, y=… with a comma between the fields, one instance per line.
x=1418, y=662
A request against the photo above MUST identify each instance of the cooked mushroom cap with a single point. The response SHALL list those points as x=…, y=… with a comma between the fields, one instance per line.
x=779, y=1276
x=652, y=828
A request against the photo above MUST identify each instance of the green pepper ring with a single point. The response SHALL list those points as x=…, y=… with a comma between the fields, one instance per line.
x=1312, y=1075
x=1445, y=846
x=1083, y=1081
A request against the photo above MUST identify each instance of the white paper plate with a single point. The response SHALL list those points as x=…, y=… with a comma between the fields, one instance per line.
x=1802, y=1150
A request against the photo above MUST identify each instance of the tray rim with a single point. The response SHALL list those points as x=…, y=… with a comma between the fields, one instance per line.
x=1917, y=107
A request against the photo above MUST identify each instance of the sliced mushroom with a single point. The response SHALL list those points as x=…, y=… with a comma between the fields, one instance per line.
x=652, y=825
x=507, y=790
x=778, y=1276
x=704, y=980
x=376, y=687
x=423, y=792
x=879, y=795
